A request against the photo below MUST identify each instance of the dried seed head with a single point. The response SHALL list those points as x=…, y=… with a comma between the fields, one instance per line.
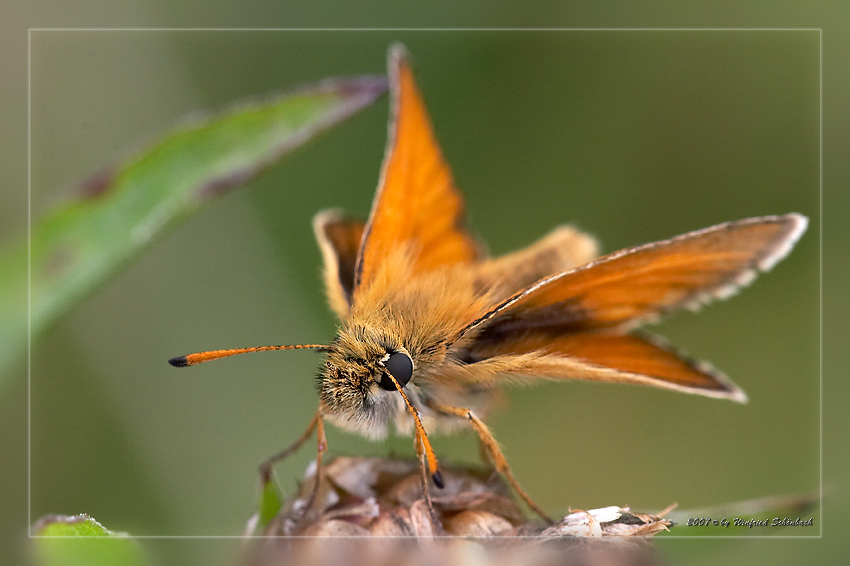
x=370, y=511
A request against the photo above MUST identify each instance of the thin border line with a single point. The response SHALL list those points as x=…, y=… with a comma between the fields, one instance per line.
x=29, y=282
x=426, y=29
x=820, y=290
x=243, y=537
x=499, y=539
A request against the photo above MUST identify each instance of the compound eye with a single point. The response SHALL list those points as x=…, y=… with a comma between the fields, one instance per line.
x=401, y=366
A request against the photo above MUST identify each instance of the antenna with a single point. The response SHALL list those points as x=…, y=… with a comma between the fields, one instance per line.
x=200, y=357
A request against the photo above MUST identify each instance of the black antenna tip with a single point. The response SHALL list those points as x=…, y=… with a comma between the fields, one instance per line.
x=438, y=479
x=179, y=362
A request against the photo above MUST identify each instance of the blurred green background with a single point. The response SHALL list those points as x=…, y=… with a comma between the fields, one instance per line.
x=632, y=136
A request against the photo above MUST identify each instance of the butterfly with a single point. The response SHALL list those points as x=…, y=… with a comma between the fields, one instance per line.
x=430, y=326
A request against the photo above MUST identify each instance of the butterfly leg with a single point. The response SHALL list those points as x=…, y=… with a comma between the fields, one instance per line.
x=318, y=424
x=321, y=448
x=491, y=447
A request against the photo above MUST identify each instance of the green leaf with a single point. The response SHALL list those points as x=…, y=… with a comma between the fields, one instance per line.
x=271, y=501
x=79, y=540
x=118, y=211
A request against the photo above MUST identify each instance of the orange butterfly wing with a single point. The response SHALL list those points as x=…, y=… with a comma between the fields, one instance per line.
x=339, y=239
x=648, y=356
x=637, y=284
x=416, y=203
x=574, y=325
x=604, y=356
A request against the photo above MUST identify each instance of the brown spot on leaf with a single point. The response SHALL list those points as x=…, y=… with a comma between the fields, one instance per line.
x=220, y=185
x=97, y=185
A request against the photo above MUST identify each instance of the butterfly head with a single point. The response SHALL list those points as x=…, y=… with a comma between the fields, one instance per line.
x=355, y=383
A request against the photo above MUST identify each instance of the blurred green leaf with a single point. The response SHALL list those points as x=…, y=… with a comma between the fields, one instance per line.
x=119, y=210
x=79, y=540
x=271, y=500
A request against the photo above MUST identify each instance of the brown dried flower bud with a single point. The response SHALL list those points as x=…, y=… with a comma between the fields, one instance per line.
x=370, y=511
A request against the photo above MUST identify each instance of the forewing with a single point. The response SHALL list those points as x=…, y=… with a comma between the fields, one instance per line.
x=417, y=204
x=602, y=356
x=638, y=284
x=339, y=240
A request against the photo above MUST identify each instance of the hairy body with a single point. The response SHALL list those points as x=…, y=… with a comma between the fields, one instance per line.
x=425, y=318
